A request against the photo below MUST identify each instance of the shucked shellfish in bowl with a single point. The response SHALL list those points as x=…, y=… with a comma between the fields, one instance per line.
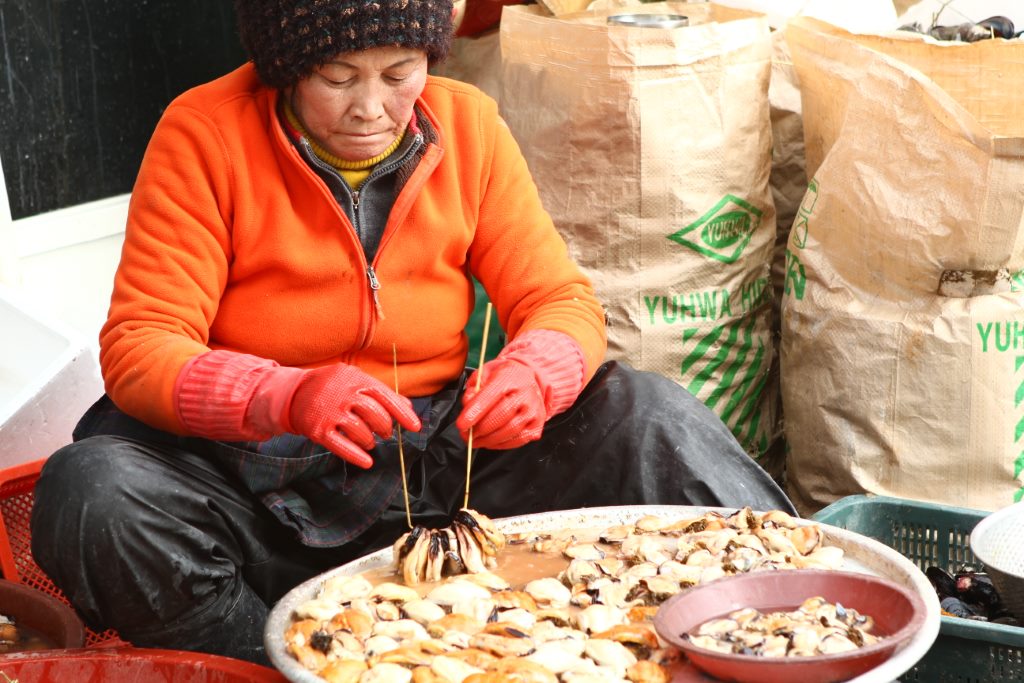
x=473, y=604
x=777, y=627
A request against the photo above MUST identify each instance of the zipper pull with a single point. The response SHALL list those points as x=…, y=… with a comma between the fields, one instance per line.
x=374, y=287
x=355, y=200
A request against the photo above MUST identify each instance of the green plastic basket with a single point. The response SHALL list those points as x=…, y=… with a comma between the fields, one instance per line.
x=965, y=651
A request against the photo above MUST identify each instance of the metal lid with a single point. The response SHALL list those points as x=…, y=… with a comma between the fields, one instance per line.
x=656, y=20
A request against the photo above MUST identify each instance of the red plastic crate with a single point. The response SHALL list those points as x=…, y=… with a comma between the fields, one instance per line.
x=17, y=494
x=131, y=665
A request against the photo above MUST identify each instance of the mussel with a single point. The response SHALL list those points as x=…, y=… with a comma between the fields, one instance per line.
x=998, y=27
x=969, y=32
x=469, y=545
x=969, y=594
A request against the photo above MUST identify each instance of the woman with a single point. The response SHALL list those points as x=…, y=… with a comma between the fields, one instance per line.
x=301, y=239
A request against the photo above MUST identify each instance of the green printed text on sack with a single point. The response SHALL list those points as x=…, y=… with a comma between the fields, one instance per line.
x=1004, y=335
x=724, y=231
x=711, y=304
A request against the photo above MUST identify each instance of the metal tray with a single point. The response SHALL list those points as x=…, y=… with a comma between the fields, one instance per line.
x=861, y=554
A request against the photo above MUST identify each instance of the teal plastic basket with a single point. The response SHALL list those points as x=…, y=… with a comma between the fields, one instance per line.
x=966, y=651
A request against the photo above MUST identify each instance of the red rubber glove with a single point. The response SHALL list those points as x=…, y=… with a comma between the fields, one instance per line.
x=535, y=377
x=237, y=397
x=341, y=407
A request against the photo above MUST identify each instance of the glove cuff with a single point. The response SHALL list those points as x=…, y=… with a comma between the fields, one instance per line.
x=558, y=362
x=271, y=405
x=213, y=392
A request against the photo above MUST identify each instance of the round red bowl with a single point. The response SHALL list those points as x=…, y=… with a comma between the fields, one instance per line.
x=43, y=613
x=898, y=614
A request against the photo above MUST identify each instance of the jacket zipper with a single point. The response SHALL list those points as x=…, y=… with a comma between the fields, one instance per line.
x=371, y=274
x=374, y=288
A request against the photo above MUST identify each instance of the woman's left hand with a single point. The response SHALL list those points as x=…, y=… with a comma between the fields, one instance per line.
x=508, y=410
x=536, y=376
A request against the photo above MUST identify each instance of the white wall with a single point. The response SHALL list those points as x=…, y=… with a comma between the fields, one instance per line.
x=56, y=275
x=66, y=261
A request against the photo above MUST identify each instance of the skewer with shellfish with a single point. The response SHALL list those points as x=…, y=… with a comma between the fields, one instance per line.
x=469, y=545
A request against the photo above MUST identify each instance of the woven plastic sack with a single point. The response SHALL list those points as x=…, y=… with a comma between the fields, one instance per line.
x=903, y=319
x=651, y=148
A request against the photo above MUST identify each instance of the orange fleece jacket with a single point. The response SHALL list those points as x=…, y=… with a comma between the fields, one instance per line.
x=234, y=243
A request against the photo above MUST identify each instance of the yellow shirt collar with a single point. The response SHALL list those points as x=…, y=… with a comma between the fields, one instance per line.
x=354, y=172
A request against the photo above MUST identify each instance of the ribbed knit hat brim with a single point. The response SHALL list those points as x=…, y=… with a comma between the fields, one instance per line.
x=288, y=39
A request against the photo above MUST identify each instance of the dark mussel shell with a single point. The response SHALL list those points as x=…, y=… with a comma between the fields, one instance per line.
x=976, y=588
x=410, y=541
x=435, y=549
x=443, y=542
x=465, y=519
x=942, y=582
x=968, y=593
x=998, y=27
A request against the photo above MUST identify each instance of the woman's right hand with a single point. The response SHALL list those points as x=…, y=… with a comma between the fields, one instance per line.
x=341, y=407
x=232, y=396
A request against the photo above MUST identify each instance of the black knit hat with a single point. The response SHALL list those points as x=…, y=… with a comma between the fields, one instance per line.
x=288, y=39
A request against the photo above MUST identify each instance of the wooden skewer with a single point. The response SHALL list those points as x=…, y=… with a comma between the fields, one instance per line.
x=401, y=453
x=479, y=376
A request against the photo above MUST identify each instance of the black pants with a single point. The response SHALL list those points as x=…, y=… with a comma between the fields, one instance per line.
x=160, y=544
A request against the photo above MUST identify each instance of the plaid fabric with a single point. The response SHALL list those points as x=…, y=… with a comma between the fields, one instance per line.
x=306, y=487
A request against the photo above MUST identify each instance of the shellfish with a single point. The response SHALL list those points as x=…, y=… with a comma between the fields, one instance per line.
x=469, y=545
